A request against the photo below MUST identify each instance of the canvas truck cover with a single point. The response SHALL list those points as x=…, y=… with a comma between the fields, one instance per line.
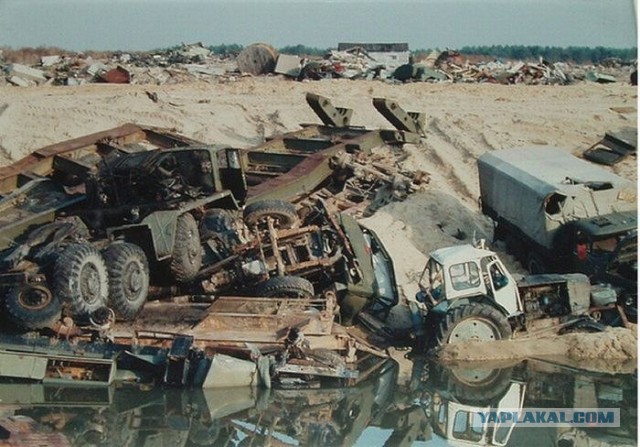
x=540, y=188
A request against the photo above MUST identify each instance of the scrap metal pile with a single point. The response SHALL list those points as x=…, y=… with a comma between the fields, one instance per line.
x=389, y=62
x=255, y=247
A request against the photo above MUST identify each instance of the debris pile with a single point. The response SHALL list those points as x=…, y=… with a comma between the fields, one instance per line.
x=449, y=66
x=187, y=63
x=388, y=62
x=138, y=214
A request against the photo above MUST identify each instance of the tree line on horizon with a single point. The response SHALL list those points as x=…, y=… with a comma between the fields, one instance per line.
x=580, y=55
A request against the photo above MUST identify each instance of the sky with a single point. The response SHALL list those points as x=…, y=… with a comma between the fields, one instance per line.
x=150, y=24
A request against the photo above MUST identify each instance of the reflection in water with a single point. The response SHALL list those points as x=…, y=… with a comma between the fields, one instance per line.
x=435, y=403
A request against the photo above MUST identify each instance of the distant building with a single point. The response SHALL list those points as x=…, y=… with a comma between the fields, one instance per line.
x=391, y=55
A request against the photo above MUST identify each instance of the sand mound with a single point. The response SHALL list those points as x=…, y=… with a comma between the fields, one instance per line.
x=613, y=351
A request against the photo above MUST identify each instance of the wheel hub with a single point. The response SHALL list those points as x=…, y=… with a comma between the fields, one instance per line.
x=35, y=297
x=90, y=283
x=474, y=329
x=133, y=279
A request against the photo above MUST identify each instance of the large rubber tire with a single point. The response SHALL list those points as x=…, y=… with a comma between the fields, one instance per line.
x=284, y=213
x=286, y=287
x=186, y=259
x=81, y=280
x=31, y=306
x=128, y=279
x=473, y=321
x=479, y=386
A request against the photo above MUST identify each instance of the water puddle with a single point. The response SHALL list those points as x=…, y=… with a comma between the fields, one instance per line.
x=433, y=405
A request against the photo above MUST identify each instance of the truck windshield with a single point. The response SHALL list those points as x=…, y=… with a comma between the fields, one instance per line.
x=464, y=275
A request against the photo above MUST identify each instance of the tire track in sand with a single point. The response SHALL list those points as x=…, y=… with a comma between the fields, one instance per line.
x=454, y=149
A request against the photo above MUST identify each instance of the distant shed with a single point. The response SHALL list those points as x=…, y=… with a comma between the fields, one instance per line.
x=391, y=55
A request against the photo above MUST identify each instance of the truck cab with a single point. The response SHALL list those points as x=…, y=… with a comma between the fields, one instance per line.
x=467, y=273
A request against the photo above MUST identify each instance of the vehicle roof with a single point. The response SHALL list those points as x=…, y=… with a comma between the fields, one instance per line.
x=623, y=221
x=459, y=253
x=547, y=168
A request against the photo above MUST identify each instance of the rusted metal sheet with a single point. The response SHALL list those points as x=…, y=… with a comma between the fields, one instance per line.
x=257, y=319
x=118, y=75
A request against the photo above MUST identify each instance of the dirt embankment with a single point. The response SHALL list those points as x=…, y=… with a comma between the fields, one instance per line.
x=612, y=351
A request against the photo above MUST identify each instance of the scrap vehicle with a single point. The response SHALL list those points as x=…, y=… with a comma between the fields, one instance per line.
x=132, y=415
x=558, y=213
x=471, y=404
x=138, y=214
x=106, y=218
x=467, y=293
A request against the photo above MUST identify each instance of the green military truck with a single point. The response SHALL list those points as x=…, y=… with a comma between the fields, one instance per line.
x=139, y=214
x=107, y=218
x=558, y=213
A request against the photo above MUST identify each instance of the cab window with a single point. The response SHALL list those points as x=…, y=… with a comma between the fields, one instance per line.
x=464, y=275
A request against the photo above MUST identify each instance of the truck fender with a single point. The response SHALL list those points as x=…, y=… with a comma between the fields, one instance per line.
x=443, y=307
x=140, y=234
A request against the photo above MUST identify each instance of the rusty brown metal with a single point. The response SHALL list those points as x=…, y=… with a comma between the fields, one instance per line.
x=42, y=162
x=118, y=75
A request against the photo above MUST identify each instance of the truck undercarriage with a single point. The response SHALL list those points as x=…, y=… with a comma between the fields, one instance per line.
x=125, y=215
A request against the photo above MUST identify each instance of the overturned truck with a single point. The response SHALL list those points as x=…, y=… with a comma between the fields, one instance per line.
x=93, y=227
x=109, y=218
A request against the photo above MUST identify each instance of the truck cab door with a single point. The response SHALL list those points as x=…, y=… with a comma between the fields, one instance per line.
x=232, y=175
x=503, y=287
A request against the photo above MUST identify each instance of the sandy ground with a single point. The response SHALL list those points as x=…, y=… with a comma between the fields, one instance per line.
x=463, y=122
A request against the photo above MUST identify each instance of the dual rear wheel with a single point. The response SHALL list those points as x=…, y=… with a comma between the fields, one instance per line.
x=83, y=281
x=86, y=279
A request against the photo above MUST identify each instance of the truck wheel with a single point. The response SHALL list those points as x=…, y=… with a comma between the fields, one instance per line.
x=473, y=321
x=128, y=279
x=283, y=212
x=286, y=287
x=32, y=306
x=479, y=386
x=534, y=264
x=81, y=280
x=186, y=259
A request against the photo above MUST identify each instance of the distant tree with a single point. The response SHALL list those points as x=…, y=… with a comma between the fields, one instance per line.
x=225, y=49
x=580, y=55
x=302, y=50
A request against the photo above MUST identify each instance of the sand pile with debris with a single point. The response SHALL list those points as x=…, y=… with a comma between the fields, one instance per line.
x=613, y=351
x=463, y=122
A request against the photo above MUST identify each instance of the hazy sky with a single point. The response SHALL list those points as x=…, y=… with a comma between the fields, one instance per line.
x=149, y=24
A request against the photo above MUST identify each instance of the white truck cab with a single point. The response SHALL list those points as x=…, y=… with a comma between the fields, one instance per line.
x=464, y=271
